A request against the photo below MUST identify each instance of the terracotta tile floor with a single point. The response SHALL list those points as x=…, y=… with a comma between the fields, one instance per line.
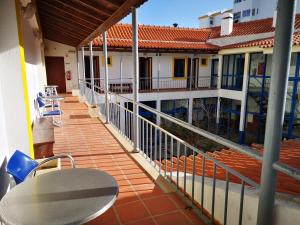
x=140, y=200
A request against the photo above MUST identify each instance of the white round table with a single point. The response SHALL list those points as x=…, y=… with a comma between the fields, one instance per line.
x=69, y=196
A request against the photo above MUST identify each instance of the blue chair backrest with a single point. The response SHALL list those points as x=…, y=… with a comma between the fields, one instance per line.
x=20, y=165
x=40, y=102
x=40, y=94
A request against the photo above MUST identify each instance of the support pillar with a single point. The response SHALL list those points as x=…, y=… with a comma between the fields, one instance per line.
x=135, y=55
x=83, y=71
x=121, y=71
x=191, y=72
x=158, y=69
x=190, y=118
x=276, y=107
x=158, y=108
x=243, y=113
x=105, y=77
x=92, y=74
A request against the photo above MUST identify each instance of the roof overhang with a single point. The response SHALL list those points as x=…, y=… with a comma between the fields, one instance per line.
x=77, y=22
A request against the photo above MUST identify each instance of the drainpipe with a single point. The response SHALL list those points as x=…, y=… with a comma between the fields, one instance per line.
x=92, y=73
x=276, y=107
x=135, y=79
x=105, y=77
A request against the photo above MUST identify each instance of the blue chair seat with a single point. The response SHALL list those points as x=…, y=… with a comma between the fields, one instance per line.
x=53, y=113
x=20, y=165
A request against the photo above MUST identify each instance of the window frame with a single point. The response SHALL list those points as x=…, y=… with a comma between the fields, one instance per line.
x=110, y=59
x=185, y=68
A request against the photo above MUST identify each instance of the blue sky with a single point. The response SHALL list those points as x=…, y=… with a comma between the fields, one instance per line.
x=183, y=12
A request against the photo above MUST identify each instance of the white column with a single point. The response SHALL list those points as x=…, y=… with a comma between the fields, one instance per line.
x=92, y=73
x=190, y=118
x=244, y=94
x=158, y=108
x=191, y=72
x=105, y=77
x=78, y=68
x=220, y=71
x=135, y=79
x=218, y=111
x=83, y=64
x=220, y=65
x=158, y=69
x=121, y=71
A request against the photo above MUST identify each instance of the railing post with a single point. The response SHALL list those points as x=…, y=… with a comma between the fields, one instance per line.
x=244, y=99
x=190, y=116
x=276, y=107
x=105, y=77
x=135, y=79
x=158, y=108
x=92, y=73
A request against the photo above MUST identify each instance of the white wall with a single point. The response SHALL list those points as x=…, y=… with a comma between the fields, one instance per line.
x=12, y=85
x=35, y=67
x=162, y=65
x=53, y=48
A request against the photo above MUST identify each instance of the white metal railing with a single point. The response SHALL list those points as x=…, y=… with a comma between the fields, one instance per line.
x=154, y=84
x=160, y=146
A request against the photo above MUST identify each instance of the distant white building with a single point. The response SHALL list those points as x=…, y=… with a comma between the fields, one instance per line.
x=212, y=19
x=243, y=11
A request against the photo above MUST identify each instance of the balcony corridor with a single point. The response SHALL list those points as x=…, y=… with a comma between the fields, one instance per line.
x=140, y=200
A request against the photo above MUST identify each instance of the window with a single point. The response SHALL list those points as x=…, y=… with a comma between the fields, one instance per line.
x=246, y=13
x=211, y=21
x=233, y=72
x=237, y=1
x=236, y=17
x=109, y=60
x=204, y=62
x=179, y=68
x=253, y=12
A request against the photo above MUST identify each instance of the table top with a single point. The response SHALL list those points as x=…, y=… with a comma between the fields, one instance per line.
x=69, y=196
x=54, y=97
x=51, y=86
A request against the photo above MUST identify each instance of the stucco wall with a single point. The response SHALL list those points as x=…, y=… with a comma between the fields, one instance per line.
x=162, y=65
x=69, y=53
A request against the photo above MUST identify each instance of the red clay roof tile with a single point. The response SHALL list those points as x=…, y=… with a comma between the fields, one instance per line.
x=163, y=37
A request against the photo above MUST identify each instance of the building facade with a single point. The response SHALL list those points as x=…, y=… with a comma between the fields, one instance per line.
x=243, y=11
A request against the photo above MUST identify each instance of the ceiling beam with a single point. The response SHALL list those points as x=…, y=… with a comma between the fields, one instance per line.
x=61, y=8
x=64, y=27
x=94, y=6
x=122, y=11
x=73, y=7
x=65, y=31
x=65, y=19
x=115, y=3
x=82, y=30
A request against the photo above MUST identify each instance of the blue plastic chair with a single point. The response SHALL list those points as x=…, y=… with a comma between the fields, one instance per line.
x=21, y=166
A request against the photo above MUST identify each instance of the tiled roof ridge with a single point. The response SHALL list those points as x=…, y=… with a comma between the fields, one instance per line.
x=166, y=27
x=154, y=41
